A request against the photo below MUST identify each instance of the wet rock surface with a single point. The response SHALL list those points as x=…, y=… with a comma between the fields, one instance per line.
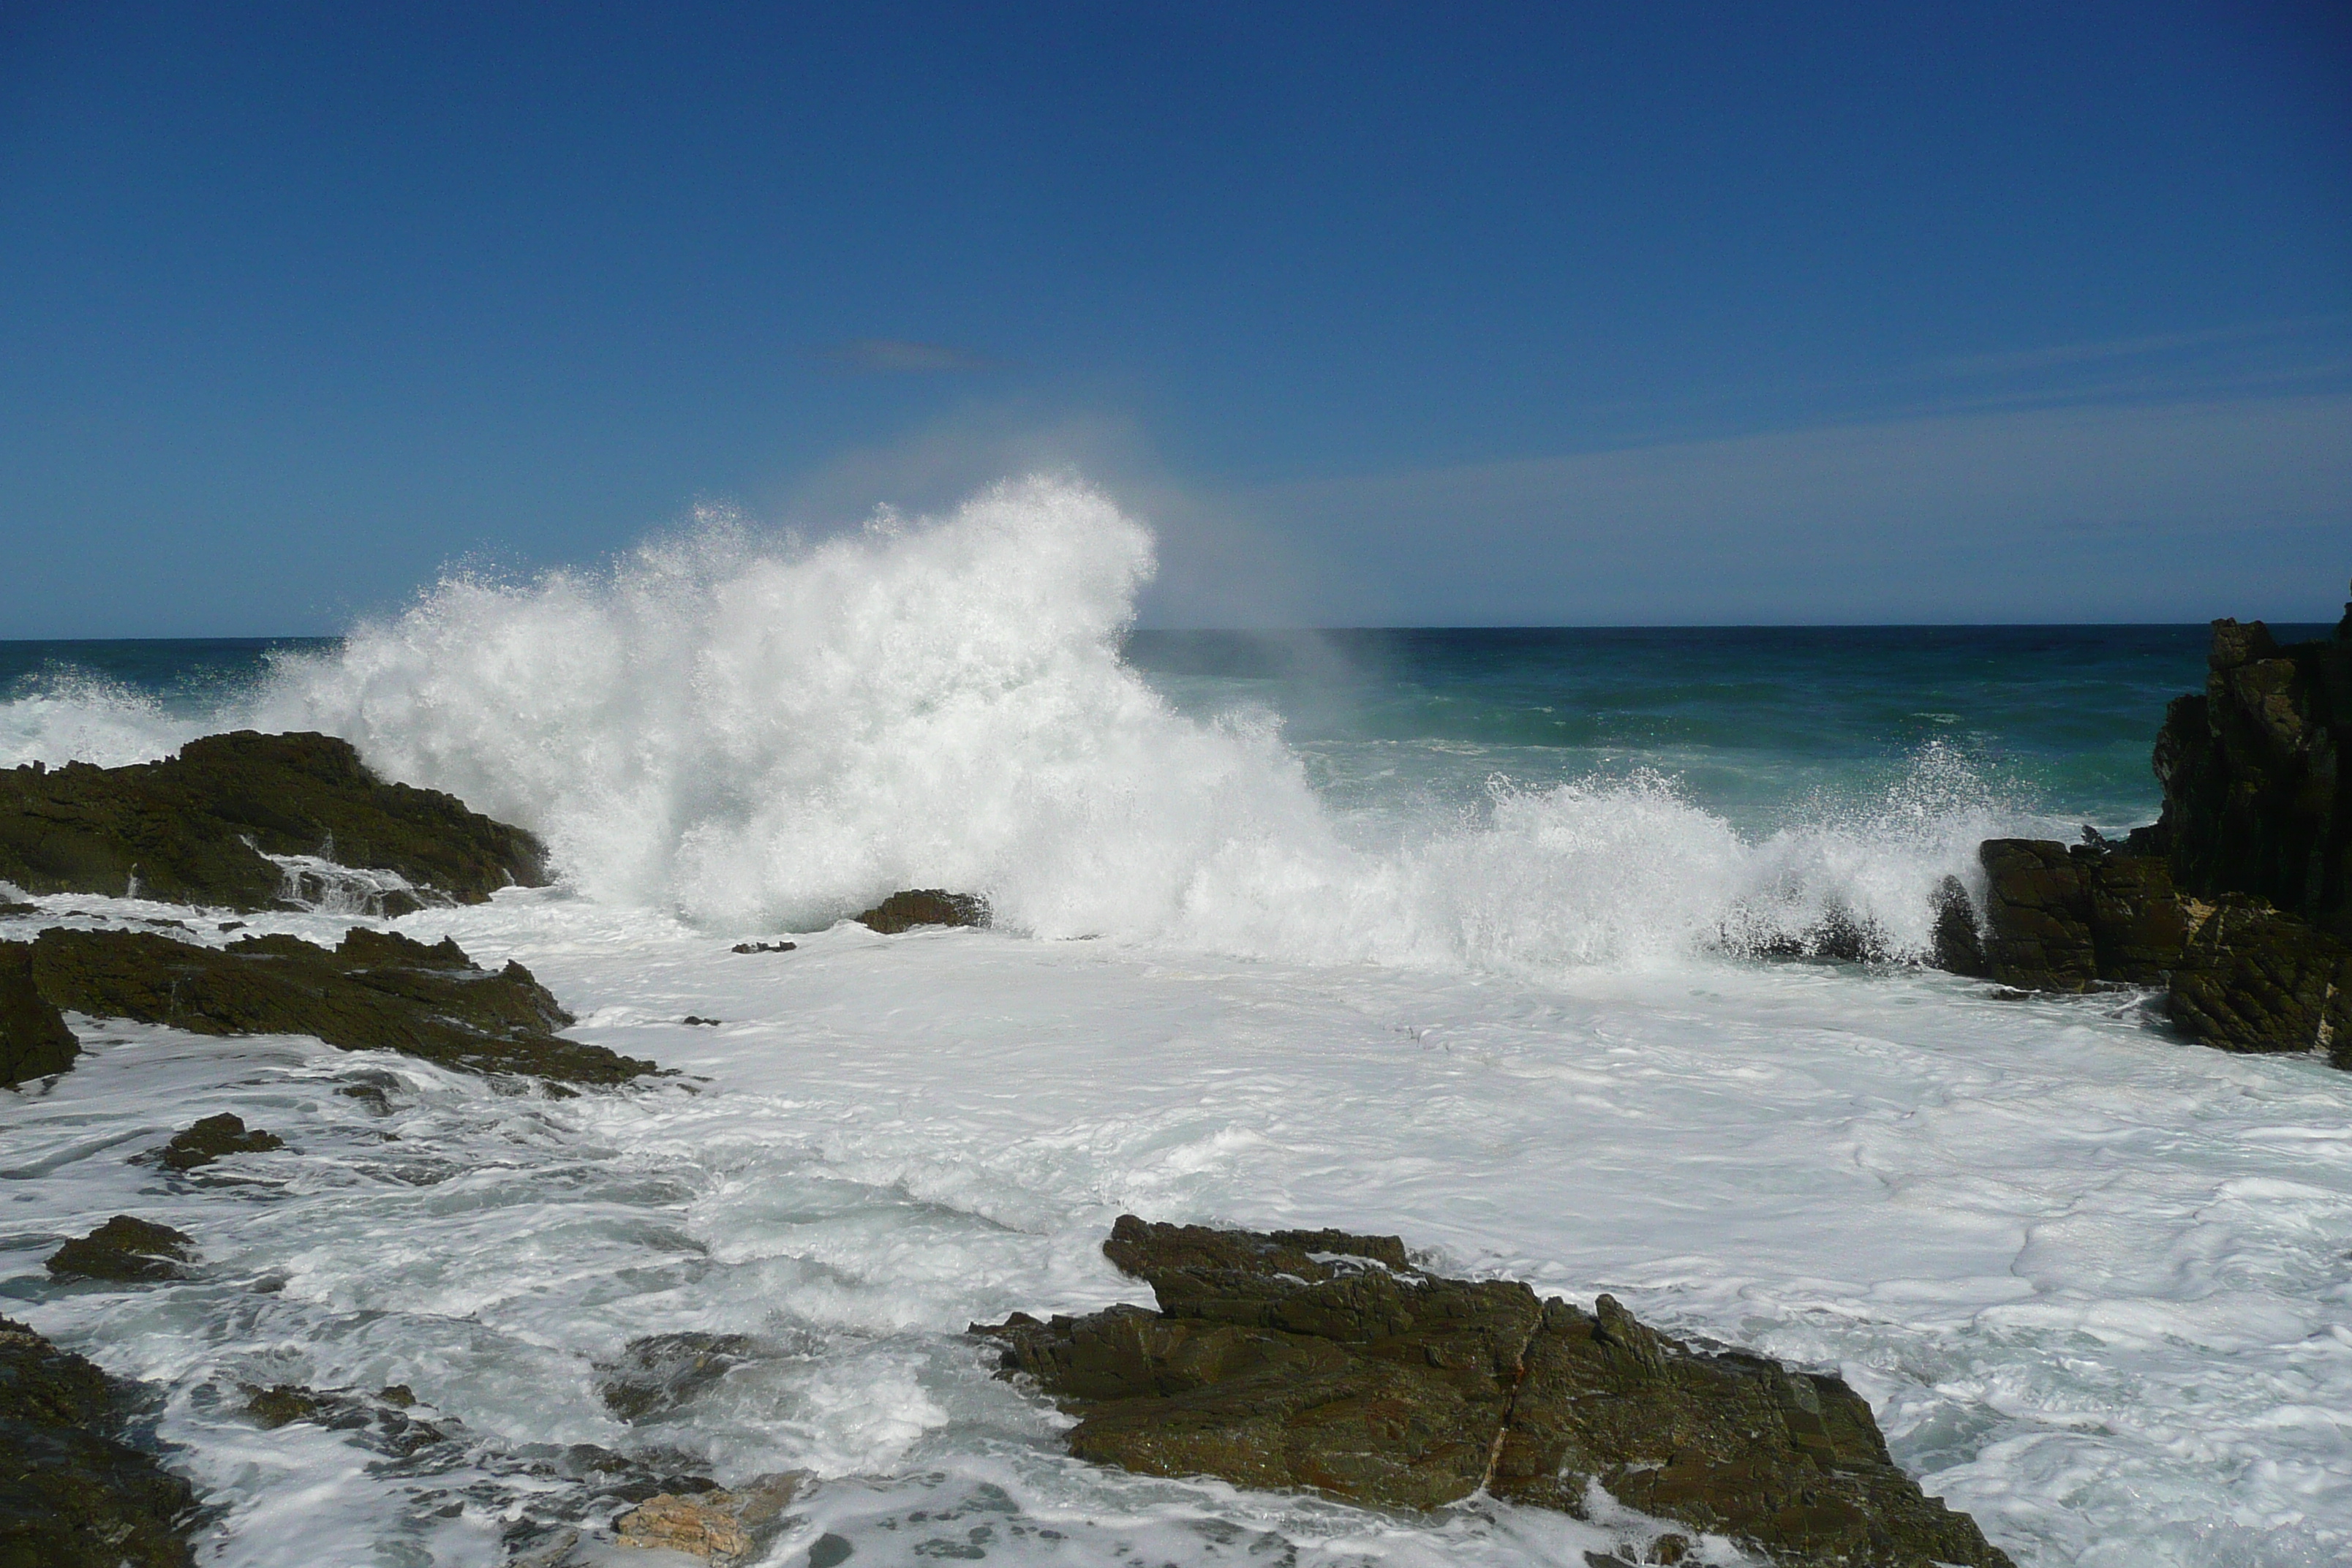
x=126, y=1250
x=214, y=1138
x=1324, y=1359
x=720, y=1526
x=199, y=827
x=373, y=991
x=2236, y=901
x=924, y=907
x=34, y=1040
x=73, y=1492
x=662, y=1372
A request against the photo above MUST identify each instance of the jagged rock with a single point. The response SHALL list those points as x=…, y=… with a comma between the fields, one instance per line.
x=1324, y=1359
x=199, y=827
x=34, y=1040
x=126, y=1248
x=721, y=1527
x=657, y=1374
x=2253, y=979
x=2037, y=916
x=73, y=1494
x=373, y=991
x=2256, y=797
x=381, y=1422
x=924, y=907
x=1956, y=945
x=212, y=1138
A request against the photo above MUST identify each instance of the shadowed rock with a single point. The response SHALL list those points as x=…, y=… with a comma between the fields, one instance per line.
x=34, y=1040
x=126, y=1250
x=924, y=907
x=1323, y=1360
x=200, y=827
x=212, y=1139
x=73, y=1494
x=373, y=991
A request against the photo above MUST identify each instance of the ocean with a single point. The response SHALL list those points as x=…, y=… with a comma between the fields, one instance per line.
x=1480, y=937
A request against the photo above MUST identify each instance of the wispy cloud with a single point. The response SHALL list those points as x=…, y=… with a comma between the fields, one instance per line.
x=2058, y=355
x=903, y=356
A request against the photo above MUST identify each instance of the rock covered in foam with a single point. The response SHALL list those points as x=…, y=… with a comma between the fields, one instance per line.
x=373, y=991
x=73, y=1493
x=34, y=1040
x=201, y=828
x=924, y=907
x=1324, y=1359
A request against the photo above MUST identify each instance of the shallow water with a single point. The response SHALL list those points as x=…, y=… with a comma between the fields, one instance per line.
x=2094, y=1281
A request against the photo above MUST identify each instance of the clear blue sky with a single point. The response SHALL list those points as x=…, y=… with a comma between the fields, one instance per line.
x=1551, y=313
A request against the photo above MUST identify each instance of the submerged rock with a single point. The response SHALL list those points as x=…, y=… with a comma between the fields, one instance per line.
x=212, y=1138
x=200, y=827
x=34, y=1040
x=1324, y=1359
x=126, y=1248
x=924, y=907
x=720, y=1526
x=657, y=1374
x=373, y=991
x=73, y=1493
x=382, y=1421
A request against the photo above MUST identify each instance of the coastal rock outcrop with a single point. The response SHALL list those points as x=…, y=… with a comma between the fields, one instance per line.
x=200, y=827
x=126, y=1251
x=373, y=991
x=34, y=1040
x=1326, y=1360
x=2239, y=898
x=73, y=1493
x=214, y=1138
x=924, y=907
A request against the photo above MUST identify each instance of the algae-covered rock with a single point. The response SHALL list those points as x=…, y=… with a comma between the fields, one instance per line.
x=200, y=827
x=924, y=907
x=373, y=991
x=34, y=1040
x=214, y=1138
x=382, y=1421
x=73, y=1494
x=1324, y=1359
x=2253, y=979
x=128, y=1249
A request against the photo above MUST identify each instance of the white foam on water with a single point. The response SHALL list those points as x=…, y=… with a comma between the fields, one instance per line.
x=2092, y=1279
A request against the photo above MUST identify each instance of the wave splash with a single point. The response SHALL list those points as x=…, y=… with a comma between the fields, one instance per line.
x=759, y=736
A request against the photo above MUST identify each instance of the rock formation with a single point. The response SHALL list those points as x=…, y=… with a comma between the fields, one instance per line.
x=2239, y=899
x=34, y=1040
x=214, y=1138
x=924, y=907
x=126, y=1251
x=200, y=827
x=73, y=1493
x=373, y=991
x=1324, y=1359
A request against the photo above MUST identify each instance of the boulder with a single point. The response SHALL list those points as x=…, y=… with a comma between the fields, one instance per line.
x=126, y=1251
x=200, y=827
x=2253, y=979
x=214, y=1138
x=34, y=1040
x=373, y=991
x=924, y=907
x=1324, y=1359
x=73, y=1492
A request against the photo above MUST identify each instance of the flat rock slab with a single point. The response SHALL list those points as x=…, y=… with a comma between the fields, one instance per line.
x=72, y=1493
x=199, y=828
x=1324, y=1359
x=373, y=991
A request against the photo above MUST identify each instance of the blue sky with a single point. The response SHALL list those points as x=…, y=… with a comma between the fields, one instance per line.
x=1553, y=314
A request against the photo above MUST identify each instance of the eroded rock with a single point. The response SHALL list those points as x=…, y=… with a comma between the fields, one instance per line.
x=214, y=1138
x=126, y=1248
x=200, y=827
x=34, y=1040
x=1324, y=1359
x=373, y=991
x=73, y=1493
x=924, y=907
x=722, y=1527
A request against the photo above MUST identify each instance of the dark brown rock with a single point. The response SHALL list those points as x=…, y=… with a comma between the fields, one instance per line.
x=924, y=907
x=1324, y=1359
x=34, y=1040
x=2253, y=979
x=214, y=1138
x=73, y=1492
x=2037, y=916
x=198, y=828
x=373, y=991
x=127, y=1249
x=382, y=1423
